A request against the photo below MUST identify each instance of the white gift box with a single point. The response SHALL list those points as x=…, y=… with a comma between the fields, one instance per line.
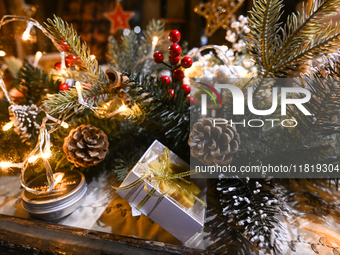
x=175, y=218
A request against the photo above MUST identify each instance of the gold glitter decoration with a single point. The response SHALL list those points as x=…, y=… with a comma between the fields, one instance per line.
x=218, y=13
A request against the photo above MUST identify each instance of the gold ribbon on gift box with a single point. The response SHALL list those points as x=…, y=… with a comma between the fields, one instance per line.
x=163, y=175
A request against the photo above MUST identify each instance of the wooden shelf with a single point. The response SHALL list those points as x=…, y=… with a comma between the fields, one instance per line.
x=26, y=236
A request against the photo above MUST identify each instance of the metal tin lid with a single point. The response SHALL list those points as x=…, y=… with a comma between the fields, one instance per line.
x=63, y=200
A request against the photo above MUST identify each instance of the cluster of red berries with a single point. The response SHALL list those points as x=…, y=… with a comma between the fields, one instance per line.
x=175, y=51
x=70, y=60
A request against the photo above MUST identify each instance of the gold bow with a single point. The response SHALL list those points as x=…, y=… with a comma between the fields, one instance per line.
x=162, y=175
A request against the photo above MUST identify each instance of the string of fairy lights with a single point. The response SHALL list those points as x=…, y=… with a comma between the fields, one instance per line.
x=49, y=124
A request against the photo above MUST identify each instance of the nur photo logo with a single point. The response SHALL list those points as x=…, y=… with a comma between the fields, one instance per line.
x=204, y=96
x=243, y=102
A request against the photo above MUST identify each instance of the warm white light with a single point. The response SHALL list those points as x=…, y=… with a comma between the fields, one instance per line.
x=5, y=164
x=105, y=106
x=122, y=108
x=243, y=73
x=8, y=126
x=63, y=63
x=78, y=85
x=2, y=53
x=62, y=71
x=46, y=155
x=37, y=58
x=92, y=57
x=80, y=96
x=26, y=35
x=64, y=125
x=38, y=54
x=224, y=48
x=58, y=177
x=32, y=159
x=155, y=40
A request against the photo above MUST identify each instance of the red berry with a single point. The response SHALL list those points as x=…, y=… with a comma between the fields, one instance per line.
x=64, y=86
x=158, y=57
x=71, y=60
x=64, y=45
x=186, y=62
x=165, y=80
x=178, y=74
x=175, y=50
x=72, y=57
x=190, y=99
x=186, y=88
x=68, y=63
x=171, y=92
x=57, y=66
x=174, y=36
x=174, y=60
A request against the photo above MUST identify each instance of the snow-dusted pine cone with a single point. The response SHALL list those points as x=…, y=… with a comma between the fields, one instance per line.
x=26, y=120
x=214, y=145
x=86, y=146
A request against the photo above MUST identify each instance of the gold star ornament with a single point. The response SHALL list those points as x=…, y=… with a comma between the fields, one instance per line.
x=218, y=13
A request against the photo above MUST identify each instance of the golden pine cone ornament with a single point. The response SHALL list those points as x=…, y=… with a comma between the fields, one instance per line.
x=86, y=146
x=214, y=144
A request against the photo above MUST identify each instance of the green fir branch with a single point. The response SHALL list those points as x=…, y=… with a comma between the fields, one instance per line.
x=154, y=28
x=90, y=72
x=168, y=117
x=264, y=28
x=98, y=91
x=325, y=42
x=34, y=83
x=129, y=52
x=324, y=84
x=299, y=27
x=61, y=102
x=123, y=54
x=303, y=36
x=252, y=208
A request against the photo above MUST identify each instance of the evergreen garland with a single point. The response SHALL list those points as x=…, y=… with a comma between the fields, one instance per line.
x=89, y=71
x=34, y=83
x=279, y=51
x=253, y=208
x=323, y=82
x=165, y=116
x=68, y=41
x=250, y=206
x=129, y=52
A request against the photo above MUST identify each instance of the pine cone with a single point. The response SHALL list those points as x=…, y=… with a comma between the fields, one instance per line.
x=213, y=145
x=86, y=146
